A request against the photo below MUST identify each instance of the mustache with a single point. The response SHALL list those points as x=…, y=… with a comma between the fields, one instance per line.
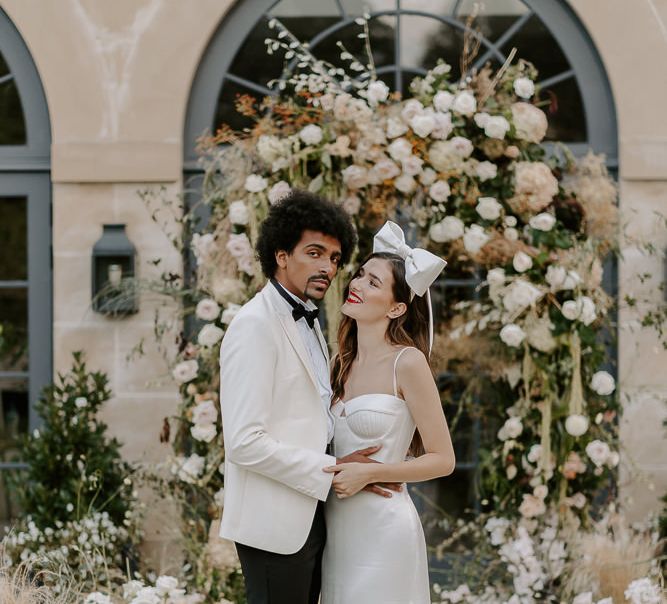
x=320, y=278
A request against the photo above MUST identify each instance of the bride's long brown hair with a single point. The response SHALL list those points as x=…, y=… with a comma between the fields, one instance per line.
x=410, y=329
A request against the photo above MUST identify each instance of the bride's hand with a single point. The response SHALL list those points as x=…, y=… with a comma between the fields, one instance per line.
x=350, y=478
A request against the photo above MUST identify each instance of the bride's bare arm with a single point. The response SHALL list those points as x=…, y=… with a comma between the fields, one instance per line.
x=421, y=395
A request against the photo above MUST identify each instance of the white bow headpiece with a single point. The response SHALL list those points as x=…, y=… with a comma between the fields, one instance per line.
x=421, y=266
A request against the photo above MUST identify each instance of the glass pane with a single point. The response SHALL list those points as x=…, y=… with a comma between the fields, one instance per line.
x=312, y=8
x=14, y=237
x=358, y=7
x=13, y=416
x=14, y=329
x=12, y=124
x=424, y=41
x=4, y=68
x=567, y=121
x=535, y=43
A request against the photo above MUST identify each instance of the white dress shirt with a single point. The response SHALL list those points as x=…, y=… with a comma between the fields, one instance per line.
x=318, y=359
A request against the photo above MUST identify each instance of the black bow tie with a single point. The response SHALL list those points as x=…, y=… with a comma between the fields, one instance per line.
x=298, y=310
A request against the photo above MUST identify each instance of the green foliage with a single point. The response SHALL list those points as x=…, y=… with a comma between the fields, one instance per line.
x=74, y=467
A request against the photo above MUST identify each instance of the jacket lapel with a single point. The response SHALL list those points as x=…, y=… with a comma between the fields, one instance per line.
x=291, y=331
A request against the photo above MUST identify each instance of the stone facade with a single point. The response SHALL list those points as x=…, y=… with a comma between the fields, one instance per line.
x=117, y=77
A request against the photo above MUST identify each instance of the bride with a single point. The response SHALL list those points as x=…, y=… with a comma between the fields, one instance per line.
x=384, y=394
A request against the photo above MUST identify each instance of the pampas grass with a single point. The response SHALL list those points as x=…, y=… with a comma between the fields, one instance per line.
x=21, y=585
x=608, y=559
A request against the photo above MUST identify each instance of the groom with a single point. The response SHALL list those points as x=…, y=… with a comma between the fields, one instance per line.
x=275, y=397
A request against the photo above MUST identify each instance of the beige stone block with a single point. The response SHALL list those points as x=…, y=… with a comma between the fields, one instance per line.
x=642, y=205
x=97, y=341
x=641, y=357
x=642, y=433
x=143, y=364
x=640, y=491
x=72, y=290
x=136, y=421
x=79, y=211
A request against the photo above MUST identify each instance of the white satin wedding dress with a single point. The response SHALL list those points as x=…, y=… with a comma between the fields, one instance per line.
x=375, y=551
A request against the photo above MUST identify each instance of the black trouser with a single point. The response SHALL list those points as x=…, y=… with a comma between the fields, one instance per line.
x=286, y=578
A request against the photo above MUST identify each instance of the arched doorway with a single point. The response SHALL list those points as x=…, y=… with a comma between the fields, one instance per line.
x=407, y=36
x=25, y=253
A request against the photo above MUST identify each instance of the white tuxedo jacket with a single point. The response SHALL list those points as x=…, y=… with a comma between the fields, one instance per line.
x=274, y=428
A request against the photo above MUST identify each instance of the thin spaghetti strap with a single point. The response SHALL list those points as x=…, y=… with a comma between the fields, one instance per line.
x=398, y=356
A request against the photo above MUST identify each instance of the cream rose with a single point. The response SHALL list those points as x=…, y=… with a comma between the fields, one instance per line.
x=530, y=123
x=185, y=371
x=488, y=208
x=205, y=413
x=355, y=177
x=238, y=213
x=278, y=191
x=207, y=310
x=486, y=170
x=400, y=149
x=464, y=103
x=383, y=170
x=474, y=238
x=204, y=432
x=522, y=262
x=254, y=183
x=439, y=191
x=512, y=335
x=377, y=92
x=542, y=222
x=524, y=87
x=448, y=229
x=576, y=424
x=311, y=134
x=443, y=100
x=603, y=383
x=209, y=335
x=405, y=184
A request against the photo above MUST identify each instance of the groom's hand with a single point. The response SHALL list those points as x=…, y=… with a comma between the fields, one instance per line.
x=362, y=456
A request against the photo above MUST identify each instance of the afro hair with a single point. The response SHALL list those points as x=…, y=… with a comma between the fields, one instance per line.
x=297, y=212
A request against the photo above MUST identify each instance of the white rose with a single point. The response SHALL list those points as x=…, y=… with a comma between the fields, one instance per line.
x=462, y=146
x=271, y=148
x=488, y=208
x=486, y=170
x=555, y=277
x=254, y=183
x=576, y=424
x=511, y=471
x=443, y=125
x=522, y=262
x=185, y=371
x=512, y=335
x=598, y=452
x=203, y=246
x=97, y=597
x=192, y=467
x=164, y=584
x=603, y=383
x=513, y=427
x=542, y=222
x=496, y=276
x=377, y=92
x=474, y=238
x=534, y=454
x=351, y=204
x=532, y=506
x=443, y=100
x=205, y=413
x=511, y=234
x=572, y=279
x=411, y=108
x=613, y=459
x=207, y=310
x=209, y=335
x=524, y=87
x=510, y=221
x=496, y=126
x=448, y=229
x=278, y=191
x=439, y=191
x=428, y=176
x=355, y=177
x=578, y=500
x=422, y=124
x=541, y=491
x=570, y=310
x=519, y=295
x=530, y=122
x=80, y=402
x=405, y=184
x=311, y=134
x=383, y=170
x=204, y=432
x=400, y=149
x=464, y=103
x=412, y=165
x=588, y=314
x=229, y=313
x=395, y=127
x=238, y=213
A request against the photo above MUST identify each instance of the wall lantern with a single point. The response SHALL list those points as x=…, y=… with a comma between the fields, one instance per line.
x=113, y=268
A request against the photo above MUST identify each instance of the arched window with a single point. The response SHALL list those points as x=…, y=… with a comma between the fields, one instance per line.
x=407, y=36
x=25, y=254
